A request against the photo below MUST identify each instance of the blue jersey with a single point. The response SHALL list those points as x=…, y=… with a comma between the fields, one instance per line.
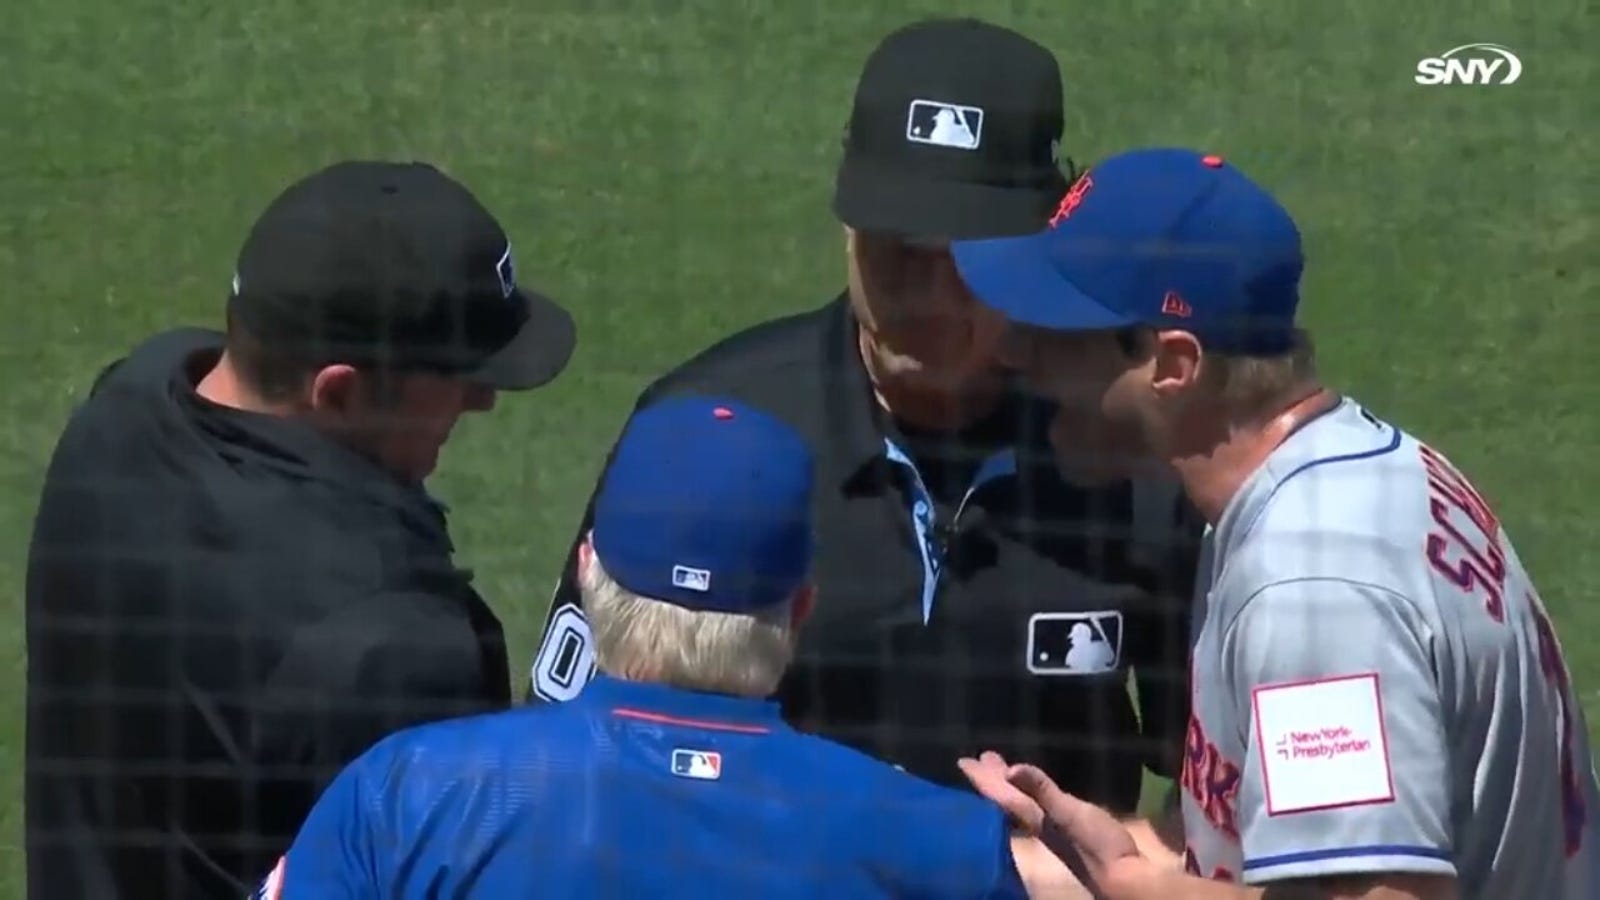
x=637, y=790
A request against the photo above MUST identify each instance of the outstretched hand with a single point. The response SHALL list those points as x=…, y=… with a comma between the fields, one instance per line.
x=990, y=775
x=1090, y=841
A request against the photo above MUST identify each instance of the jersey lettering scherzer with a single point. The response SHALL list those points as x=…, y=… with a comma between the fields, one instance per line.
x=1378, y=687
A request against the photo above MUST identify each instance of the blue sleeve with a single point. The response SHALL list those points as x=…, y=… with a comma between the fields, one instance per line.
x=1007, y=883
x=963, y=850
x=333, y=856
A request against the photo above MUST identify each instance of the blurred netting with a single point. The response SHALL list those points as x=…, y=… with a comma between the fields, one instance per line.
x=665, y=169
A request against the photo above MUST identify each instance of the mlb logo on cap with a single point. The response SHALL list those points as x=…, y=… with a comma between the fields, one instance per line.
x=954, y=132
x=944, y=124
x=702, y=765
x=691, y=579
x=703, y=486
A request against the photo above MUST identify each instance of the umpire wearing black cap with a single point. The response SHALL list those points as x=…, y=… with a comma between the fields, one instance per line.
x=236, y=581
x=969, y=597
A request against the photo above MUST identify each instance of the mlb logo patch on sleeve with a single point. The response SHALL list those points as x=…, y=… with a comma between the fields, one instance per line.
x=1322, y=744
x=702, y=765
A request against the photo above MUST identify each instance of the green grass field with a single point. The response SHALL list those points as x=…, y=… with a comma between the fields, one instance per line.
x=664, y=167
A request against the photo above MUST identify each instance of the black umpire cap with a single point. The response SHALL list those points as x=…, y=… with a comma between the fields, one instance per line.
x=955, y=133
x=396, y=265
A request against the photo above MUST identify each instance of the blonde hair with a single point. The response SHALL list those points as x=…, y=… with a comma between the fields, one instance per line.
x=644, y=639
x=1251, y=387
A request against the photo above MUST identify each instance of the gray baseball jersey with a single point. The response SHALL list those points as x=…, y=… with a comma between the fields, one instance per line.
x=1377, y=685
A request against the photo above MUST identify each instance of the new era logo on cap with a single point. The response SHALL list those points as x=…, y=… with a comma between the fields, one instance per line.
x=691, y=579
x=1174, y=305
x=507, y=270
x=944, y=124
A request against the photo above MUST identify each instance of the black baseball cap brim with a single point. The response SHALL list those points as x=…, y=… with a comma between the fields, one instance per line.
x=876, y=198
x=538, y=353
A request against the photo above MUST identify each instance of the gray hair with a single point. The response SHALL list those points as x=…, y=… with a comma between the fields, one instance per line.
x=643, y=639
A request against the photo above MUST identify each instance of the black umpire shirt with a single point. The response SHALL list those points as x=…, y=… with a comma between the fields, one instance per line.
x=223, y=608
x=968, y=597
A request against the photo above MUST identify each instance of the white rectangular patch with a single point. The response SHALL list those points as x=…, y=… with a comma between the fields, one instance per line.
x=944, y=124
x=1075, y=643
x=701, y=765
x=1322, y=744
x=691, y=579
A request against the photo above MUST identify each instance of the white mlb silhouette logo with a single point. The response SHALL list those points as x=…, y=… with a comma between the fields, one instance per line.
x=691, y=579
x=944, y=124
x=1075, y=643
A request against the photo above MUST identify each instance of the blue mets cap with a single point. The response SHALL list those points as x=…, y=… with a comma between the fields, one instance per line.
x=707, y=504
x=1163, y=237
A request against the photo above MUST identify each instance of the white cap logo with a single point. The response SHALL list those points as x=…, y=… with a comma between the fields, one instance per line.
x=944, y=124
x=691, y=579
x=507, y=270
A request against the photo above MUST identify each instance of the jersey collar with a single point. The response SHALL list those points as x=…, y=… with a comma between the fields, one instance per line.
x=1318, y=441
x=692, y=709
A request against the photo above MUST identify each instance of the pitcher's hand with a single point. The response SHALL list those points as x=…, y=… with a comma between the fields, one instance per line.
x=1097, y=847
x=989, y=774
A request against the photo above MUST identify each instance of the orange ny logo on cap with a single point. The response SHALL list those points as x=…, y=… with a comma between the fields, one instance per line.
x=1074, y=197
